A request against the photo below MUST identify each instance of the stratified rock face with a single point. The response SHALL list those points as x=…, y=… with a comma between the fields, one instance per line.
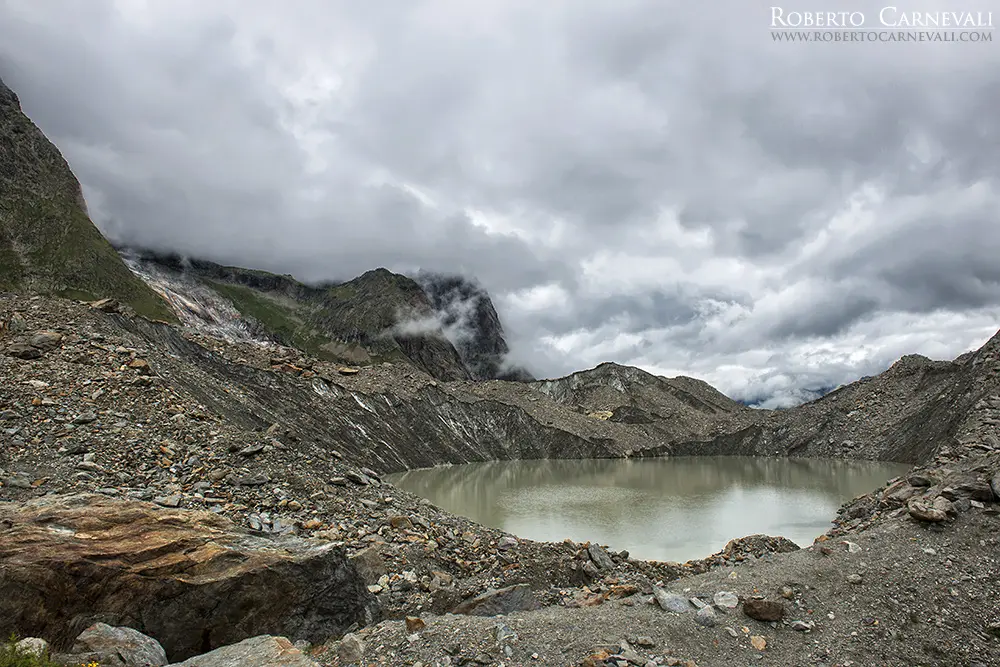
x=472, y=324
x=47, y=241
x=191, y=580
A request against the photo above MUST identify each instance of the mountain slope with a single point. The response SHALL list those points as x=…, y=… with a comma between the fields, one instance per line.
x=378, y=316
x=47, y=241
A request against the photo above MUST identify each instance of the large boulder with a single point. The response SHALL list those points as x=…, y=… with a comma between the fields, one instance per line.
x=192, y=580
x=263, y=651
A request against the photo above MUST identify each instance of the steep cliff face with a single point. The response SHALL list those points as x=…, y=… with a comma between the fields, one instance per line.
x=472, y=324
x=47, y=241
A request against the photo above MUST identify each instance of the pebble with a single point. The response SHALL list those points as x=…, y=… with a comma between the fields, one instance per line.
x=706, y=617
x=726, y=599
x=854, y=579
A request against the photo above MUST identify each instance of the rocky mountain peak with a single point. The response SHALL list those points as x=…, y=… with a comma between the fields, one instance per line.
x=472, y=324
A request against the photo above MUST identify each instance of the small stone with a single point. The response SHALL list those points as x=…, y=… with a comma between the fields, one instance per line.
x=644, y=641
x=600, y=557
x=732, y=632
x=671, y=601
x=922, y=510
x=507, y=542
x=854, y=579
x=85, y=418
x=312, y=524
x=802, y=626
x=726, y=599
x=787, y=592
x=106, y=305
x=46, y=340
x=24, y=351
x=401, y=523
x=852, y=547
x=414, y=624
x=706, y=617
x=168, y=501
x=351, y=650
x=251, y=450
x=758, y=642
x=763, y=610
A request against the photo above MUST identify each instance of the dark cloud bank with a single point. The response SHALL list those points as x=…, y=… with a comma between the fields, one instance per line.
x=638, y=181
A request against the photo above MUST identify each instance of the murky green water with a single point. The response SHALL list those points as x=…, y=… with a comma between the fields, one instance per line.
x=658, y=509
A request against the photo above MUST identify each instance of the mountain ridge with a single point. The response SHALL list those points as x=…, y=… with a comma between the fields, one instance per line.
x=47, y=241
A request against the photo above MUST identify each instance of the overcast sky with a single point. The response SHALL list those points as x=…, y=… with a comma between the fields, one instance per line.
x=640, y=181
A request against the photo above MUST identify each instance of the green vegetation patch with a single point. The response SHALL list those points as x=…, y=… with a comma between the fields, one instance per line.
x=282, y=322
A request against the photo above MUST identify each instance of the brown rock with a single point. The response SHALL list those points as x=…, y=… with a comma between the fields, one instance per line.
x=193, y=580
x=401, y=523
x=414, y=624
x=763, y=610
x=106, y=305
x=141, y=365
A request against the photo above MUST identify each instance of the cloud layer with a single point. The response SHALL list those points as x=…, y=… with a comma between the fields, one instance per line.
x=637, y=181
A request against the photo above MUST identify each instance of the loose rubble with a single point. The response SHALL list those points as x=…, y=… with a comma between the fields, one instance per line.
x=102, y=408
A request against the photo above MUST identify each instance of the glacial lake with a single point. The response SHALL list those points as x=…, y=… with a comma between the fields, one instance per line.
x=667, y=509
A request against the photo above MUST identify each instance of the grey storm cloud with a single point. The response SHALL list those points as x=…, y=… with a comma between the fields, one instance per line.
x=656, y=183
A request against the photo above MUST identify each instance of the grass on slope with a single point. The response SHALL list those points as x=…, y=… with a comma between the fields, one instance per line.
x=283, y=322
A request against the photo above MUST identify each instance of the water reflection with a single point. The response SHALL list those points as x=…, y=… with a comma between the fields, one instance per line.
x=658, y=509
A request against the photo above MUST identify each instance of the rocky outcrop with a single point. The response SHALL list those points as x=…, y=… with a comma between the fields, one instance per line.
x=264, y=651
x=47, y=241
x=190, y=579
x=472, y=324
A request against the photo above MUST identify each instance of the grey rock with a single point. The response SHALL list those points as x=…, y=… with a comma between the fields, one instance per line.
x=629, y=654
x=854, y=579
x=995, y=485
x=351, y=650
x=24, y=351
x=85, y=418
x=671, y=601
x=726, y=599
x=802, y=626
x=32, y=646
x=46, y=340
x=370, y=564
x=263, y=651
x=168, y=501
x=706, y=617
x=358, y=478
x=120, y=647
x=600, y=557
x=507, y=542
x=920, y=480
x=251, y=450
x=497, y=602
